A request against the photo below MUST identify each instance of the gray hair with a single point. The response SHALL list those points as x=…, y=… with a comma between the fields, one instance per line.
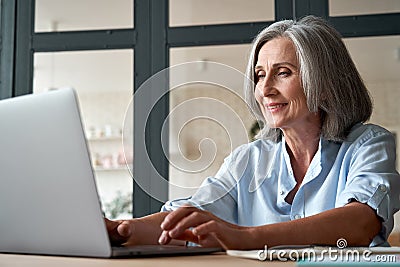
x=330, y=80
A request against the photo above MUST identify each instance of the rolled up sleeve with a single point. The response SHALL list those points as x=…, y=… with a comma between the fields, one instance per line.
x=373, y=179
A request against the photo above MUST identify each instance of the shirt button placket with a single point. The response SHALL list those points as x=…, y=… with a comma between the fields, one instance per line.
x=382, y=188
x=297, y=216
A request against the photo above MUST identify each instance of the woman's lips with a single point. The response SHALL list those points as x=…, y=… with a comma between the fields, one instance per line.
x=275, y=106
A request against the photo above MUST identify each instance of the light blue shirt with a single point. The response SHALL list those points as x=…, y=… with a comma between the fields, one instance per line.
x=251, y=186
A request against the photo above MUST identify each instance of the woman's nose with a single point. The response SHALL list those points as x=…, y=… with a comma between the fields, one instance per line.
x=267, y=86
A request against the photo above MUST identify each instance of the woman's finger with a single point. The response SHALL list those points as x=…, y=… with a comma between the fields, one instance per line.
x=164, y=238
x=187, y=235
x=227, y=235
x=175, y=216
x=209, y=240
x=118, y=231
x=197, y=217
x=211, y=226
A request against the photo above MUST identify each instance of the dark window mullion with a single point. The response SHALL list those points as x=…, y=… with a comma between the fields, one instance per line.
x=283, y=9
x=83, y=40
x=235, y=33
x=367, y=25
x=23, y=71
x=158, y=118
x=318, y=8
x=7, y=32
x=151, y=56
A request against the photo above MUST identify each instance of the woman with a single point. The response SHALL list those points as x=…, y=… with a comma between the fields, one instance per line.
x=316, y=174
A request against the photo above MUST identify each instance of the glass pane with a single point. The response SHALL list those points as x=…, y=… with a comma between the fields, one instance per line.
x=378, y=60
x=103, y=82
x=208, y=115
x=362, y=7
x=73, y=15
x=200, y=12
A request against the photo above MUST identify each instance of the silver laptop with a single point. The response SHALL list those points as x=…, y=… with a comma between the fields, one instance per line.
x=48, y=198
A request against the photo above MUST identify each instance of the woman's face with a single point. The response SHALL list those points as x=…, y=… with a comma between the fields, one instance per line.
x=278, y=89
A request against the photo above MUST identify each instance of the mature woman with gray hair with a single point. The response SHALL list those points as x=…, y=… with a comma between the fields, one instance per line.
x=330, y=80
x=316, y=174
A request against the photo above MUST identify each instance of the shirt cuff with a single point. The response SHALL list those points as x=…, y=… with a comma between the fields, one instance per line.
x=379, y=200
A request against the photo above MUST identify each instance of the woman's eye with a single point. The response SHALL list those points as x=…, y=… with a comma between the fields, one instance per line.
x=260, y=76
x=283, y=73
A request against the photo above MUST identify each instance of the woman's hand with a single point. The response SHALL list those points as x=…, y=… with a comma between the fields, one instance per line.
x=202, y=227
x=139, y=231
x=120, y=231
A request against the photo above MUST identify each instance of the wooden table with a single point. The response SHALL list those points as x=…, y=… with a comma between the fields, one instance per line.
x=220, y=260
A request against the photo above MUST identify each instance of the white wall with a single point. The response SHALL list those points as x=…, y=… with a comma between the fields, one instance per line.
x=104, y=80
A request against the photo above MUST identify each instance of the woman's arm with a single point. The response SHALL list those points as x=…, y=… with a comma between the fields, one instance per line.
x=355, y=222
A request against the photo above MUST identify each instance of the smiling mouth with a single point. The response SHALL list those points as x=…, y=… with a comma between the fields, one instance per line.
x=275, y=106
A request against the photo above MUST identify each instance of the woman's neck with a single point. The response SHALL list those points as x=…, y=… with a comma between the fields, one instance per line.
x=301, y=146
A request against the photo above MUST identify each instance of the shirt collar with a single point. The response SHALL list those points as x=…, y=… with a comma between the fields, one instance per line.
x=269, y=162
x=266, y=164
x=315, y=166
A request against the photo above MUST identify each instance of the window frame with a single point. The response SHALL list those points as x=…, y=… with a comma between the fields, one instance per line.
x=151, y=38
